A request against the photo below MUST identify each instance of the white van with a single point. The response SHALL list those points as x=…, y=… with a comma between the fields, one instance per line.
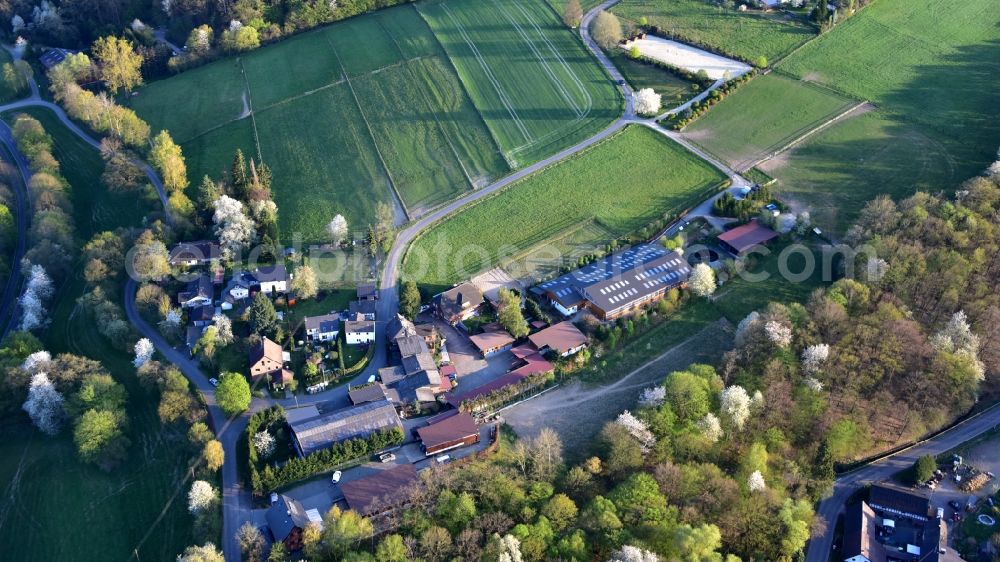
x=441, y=459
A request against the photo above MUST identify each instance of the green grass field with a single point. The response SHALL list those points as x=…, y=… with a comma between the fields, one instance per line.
x=352, y=113
x=141, y=505
x=763, y=116
x=536, y=86
x=642, y=75
x=744, y=34
x=622, y=183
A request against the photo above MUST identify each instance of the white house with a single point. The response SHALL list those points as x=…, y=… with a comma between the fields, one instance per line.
x=272, y=279
x=323, y=328
x=359, y=331
x=199, y=293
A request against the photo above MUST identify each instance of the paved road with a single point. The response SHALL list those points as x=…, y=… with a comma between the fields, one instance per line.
x=882, y=469
x=8, y=304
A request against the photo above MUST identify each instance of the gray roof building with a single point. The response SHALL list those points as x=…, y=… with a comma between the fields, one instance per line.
x=373, y=392
x=362, y=420
x=324, y=323
x=419, y=362
x=367, y=308
x=271, y=273
x=285, y=516
x=391, y=375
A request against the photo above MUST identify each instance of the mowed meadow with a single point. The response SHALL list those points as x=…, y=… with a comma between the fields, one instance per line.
x=621, y=184
x=412, y=105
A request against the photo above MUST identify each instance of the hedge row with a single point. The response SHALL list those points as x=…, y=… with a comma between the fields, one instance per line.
x=704, y=81
x=678, y=121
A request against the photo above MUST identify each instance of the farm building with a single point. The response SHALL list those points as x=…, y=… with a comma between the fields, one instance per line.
x=272, y=279
x=286, y=518
x=618, y=284
x=367, y=292
x=452, y=432
x=381, y=492
x=365, y=393
x=191, y=254
x=359, y=330
x=364, y=308
x=313, y=434
x=492, y=342
x=268, y=359
x=893, y=525
x=198, y=293
x=563, y=338
x=530, y=364
x=459, y=303
x=322, y=328
x=743, y=238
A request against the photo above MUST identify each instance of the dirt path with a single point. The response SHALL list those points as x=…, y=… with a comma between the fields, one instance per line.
x=594, y=405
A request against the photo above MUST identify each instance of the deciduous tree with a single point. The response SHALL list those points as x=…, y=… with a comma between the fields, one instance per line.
x=573, y=14
x=607, y=30
x=119, y=63
x=409, y=299
x=233, y=393
x=44, y=404
x=305, y=283
x=166, y=156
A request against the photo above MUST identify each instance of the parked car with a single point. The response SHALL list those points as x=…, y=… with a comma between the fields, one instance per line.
x=386, y=457
x=442, y=459
x=336, y=476
x=213, y=381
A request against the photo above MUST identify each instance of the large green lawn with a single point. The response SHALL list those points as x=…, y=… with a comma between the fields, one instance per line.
x=622, y=184
x=641, y=75
x=762, y=116
x=744, y=34
x=535, y=84
x=383, y=104
x=56, y=508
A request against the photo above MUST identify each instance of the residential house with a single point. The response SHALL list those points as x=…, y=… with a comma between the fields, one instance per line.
x=359, y=330
x=191, y=254
x=492, y=342
x=287, y=518
x=361, y=421
x=198, y=293
x=268, y=359
x=563, y=338
x=202, y=316
x=380, y=493
x=619, y=284
x=272, y=279
x=452, y=432
x=744, y=238
x=458, y=303
x=364, y=308
x=323, y=328
x=892, y=525
x=367, y=292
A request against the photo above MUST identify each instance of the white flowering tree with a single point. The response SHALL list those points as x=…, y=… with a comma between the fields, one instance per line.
x=638, y=429
x=814, y=356
x=957, y=337
x=232, y=225
x=36, y=360
x=653, y=396
x=785, y=223
x=202, y=496
x=745, y=326
x=734, y=405
x=143, y=352
x=647, y=102
x=629, y=553
x=44, y=404
x=802, y=223
x=875, y=270
x=337, y=229
x=755, y=482
x=264, y=442
x=510, y=549
x=223, y=329
x=37, y=291
x=813, y=384
x=702, y=280
x=711, y=427
x=778, y=333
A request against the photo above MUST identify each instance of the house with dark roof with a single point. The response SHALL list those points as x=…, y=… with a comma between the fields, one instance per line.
x=893, y=525
x=563, y=338
x=458, y=303
x=287, y=518
x=202, y=316
x=618, y=284
x=359, y=330
x=322, y=328
x=367, y=292
x=381, y=492
x=451, y=432
x=364, y=308
x=272, y=279
x=267, y=359
x=861, y=535
x=198, y=292
x=191, y=254
x=492, y=342
x=743, y=238
x=361, y=421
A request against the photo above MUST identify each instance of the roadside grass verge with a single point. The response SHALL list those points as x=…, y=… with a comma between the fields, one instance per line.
x=763, y=116
x=745, y=34
x=623, y=183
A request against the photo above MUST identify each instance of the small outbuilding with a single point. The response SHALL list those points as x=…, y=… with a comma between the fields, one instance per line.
x=456, y=431
x=492, y=342
x=743, y=238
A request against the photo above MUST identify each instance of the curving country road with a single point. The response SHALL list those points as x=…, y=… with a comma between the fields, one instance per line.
x=830, y=508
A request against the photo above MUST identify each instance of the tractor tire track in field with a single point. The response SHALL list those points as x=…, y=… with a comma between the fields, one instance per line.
x=560, y=60
x=248, y=109
x=504, y=99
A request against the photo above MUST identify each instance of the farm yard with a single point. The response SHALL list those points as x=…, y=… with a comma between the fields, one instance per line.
x=752, y=122
x=372, y=109
x=621, y=184
x=745, y=35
